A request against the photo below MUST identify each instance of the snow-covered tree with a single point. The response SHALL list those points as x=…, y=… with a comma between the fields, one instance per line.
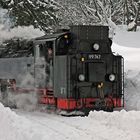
x=48, y=14
x=4, y=18
x=39, y=13
x=99, y=12
x=129, y=12
x=83, y=12
x=89, y=12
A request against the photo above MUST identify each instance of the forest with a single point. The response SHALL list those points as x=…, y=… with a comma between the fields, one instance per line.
x=50, y=15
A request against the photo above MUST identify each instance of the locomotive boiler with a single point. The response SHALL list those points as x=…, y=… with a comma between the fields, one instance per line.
x=71, y=70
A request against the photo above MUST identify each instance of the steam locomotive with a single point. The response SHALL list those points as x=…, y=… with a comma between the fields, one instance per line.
x=71, y=70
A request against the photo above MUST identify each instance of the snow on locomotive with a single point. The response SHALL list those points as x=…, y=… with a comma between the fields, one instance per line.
x=72, y=71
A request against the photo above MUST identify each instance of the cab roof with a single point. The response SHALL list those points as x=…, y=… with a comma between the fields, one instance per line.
x=50, y=36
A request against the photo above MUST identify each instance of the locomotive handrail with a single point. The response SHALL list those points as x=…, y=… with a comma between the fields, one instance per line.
x=123, y=80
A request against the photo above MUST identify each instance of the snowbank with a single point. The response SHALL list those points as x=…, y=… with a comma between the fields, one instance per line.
x=98, y=125
x=128, y=123
x=127, y=39
x=132, y=75
x=132, y=90
x=131, y=56
x=127, y=44
x=15, y=127
x=11, y=125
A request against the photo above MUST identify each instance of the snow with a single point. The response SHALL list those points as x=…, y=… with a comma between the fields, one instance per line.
x=131, y=25
x=127, y=39
x=132, y=74
x=119, y=125
x=128, y=45
x=15, y=127
x=131, y=56
x=98, y=125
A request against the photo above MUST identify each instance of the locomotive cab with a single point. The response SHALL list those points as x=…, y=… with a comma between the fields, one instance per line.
x=46, y=50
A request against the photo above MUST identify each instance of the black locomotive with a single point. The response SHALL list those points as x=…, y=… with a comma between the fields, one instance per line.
x=71, y=70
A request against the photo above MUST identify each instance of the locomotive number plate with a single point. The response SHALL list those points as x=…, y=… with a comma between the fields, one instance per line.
x=94, y=56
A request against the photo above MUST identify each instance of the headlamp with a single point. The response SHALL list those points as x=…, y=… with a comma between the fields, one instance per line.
x=81, y=77
x=112, y=77
x=96, y=47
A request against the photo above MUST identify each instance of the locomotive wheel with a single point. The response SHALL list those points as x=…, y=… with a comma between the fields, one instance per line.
x=99, y=105
x=109, y=105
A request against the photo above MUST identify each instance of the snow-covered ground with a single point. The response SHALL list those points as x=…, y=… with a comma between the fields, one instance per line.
x=123, y=125
x=97, y=126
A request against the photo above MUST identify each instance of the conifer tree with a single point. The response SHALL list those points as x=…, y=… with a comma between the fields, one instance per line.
x=39, y=13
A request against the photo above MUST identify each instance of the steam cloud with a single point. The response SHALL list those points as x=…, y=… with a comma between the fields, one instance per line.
x=18, y=32
x=26, y=101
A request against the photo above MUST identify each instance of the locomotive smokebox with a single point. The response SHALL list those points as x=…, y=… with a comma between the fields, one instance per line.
x=88, y=32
